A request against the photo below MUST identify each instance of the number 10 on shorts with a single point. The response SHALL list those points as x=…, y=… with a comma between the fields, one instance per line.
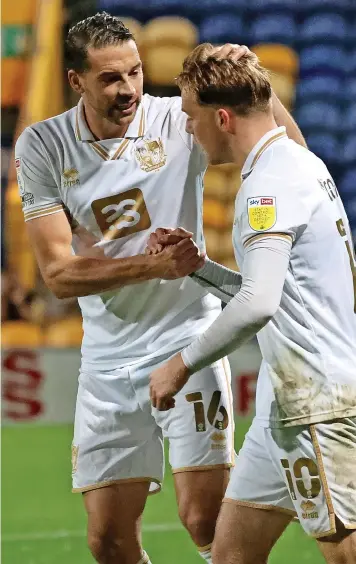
x=216, y=415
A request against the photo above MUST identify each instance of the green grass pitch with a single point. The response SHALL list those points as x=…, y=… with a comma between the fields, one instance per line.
x=44, y=523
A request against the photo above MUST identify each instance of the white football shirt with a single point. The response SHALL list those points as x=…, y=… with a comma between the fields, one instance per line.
x=115, y=193
x=309, y=347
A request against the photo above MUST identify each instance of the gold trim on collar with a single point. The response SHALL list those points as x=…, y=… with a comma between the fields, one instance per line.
x=77, y=128
x=265, y=146
x=100, y=151
x=141, y=129
x=120, y=150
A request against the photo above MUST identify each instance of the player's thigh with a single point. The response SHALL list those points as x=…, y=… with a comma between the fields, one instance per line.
x=339, y=548
x=200, y=494
x=200, y=428
x=318, y=465
x=115, y=440
x=114, y=514
x=256, y=481
x=246, y=535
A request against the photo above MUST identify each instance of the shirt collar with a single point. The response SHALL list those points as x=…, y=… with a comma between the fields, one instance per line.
x=136, y=128
x=260, y=147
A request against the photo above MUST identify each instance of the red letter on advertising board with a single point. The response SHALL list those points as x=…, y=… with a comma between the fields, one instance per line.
x=246, y=385
x=21, y=385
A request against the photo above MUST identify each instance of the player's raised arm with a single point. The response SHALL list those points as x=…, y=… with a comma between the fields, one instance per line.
x=51, y=235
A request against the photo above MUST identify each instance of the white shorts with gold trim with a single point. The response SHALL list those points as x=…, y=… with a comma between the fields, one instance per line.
x=307, y=471
x=118, y=436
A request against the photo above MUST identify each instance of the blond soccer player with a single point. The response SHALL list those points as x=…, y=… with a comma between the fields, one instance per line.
x=297, y=293
x=94, y=182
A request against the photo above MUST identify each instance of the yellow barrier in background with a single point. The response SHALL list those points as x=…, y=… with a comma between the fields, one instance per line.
x=43, y=99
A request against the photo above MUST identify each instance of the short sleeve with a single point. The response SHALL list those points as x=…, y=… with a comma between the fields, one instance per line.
x=38, y=189
x=271, y=207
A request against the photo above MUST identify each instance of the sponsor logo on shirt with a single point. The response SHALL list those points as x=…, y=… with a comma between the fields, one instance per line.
x=151, y=155
x=309, y=510
x=218, y=441
x=262, y=212
x=70, y=177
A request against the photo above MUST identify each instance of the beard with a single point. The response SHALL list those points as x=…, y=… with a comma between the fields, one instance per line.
x=117, y=114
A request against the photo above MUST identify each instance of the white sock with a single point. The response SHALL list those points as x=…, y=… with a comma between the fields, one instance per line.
x=145, y=559
x=206, y=554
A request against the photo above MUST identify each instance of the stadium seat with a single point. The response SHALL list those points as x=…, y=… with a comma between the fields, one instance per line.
x=13, y=80
x=222, y=28
x=321, y=87
x=64, y=333
x=278, y=58
x=351, y=59
x=350, y=89
x=139, y=9
x=165, y=44
x=318, y=116
x=196, y=11
x=323, y=28
x=284, y=87
x=213, y=243
x=349, y=122
x=276, y=28
x=272, y=6
x=215, y=184
x=20, y=334
x=316, y=6
x=323, y=59
x=346, y=186
x=326, y=146
x=215, y=214
x=348, y=152
x=134, y=26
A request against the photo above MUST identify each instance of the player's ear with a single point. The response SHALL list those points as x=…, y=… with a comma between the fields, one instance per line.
x=222, y=119
x=75, y=82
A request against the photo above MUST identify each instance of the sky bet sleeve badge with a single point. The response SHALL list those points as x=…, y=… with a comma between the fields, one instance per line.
x=261, y=212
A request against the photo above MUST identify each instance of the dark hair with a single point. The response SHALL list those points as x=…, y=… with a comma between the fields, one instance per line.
x=96, y=31
x=242, y=85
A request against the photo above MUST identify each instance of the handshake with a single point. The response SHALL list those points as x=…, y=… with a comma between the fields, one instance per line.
x=175, y=253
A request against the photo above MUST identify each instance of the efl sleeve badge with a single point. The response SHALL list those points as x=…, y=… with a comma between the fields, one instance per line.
x=262, y=213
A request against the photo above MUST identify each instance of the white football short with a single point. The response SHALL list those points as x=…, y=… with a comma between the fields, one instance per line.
x=307, y=471
x=118, y=436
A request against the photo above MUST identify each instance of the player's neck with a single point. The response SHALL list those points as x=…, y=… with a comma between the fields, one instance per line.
x=102, y=128
x=249, y=134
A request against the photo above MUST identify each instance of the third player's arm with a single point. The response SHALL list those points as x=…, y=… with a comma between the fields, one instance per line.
x=74, y=276
x=283, y=117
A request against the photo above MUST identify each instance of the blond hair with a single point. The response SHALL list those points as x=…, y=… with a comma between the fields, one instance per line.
x=242, y=85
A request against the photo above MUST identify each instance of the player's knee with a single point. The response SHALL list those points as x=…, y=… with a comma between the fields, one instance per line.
x=107, y=547
x=201, y=526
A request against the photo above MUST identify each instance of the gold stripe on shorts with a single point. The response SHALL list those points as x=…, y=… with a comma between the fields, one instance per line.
x=254, y=505
x=324, y=484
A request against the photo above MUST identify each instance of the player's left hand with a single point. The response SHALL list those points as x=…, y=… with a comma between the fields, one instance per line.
x=166, y=381
x=232, y=51
x=165, y=236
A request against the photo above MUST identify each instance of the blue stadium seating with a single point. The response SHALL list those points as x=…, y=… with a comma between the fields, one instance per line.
x=258, y=7
x=347, y=184
x=323, y=28
x=311, y=6
x=139, y=9
x=321, y=59
x=348, y=152
x=223, y=28
x=277, y=28
x=323, y=87
x=326, y=146
x=205, y=8
x=318, y=116
x=349, y=122
x=350, y=89
x=351, y=59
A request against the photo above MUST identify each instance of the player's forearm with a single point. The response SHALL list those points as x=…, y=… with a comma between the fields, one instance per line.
x=249, y=311
x=283, y=117
x=218, y=280
x=81, y=276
